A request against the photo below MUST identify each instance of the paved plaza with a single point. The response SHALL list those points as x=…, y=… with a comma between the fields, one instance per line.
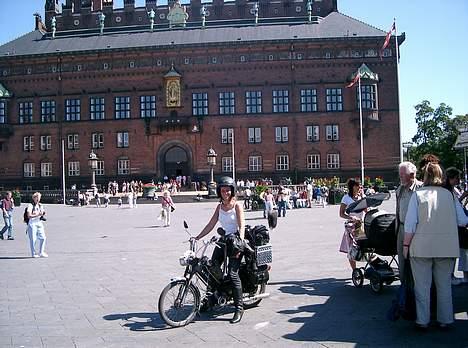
x=106, y=268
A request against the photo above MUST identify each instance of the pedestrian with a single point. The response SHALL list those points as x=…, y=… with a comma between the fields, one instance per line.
x=310, y=193
x=408, y=185
x=119, y=202
x=106, y=199
x=135, y=197
x=452, y=180
x=269, y=202
x=431, y=244
x=7, y=210
x=281, y=202
x=167, y=206
x=130, y=199
x=354, y=194
x=230, y=214
x=247, y=194
x=35, y=214
x=97, y=199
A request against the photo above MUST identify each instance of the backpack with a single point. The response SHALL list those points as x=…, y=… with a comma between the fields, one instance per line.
x=25, y=216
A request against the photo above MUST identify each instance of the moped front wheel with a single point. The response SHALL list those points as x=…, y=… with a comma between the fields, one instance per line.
x=178, y=303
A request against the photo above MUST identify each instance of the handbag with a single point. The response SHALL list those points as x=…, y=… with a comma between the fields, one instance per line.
x=463, y=237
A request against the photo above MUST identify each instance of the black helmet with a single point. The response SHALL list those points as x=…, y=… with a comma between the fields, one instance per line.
x=226, y=181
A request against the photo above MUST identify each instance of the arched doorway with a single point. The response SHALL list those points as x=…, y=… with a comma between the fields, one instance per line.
x=174, y=158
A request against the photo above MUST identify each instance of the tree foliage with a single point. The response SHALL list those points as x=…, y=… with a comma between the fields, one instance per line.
x=437, y=133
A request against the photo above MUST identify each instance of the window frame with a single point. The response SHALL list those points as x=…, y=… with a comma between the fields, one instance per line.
x=226, y=164
x=332, y=132
x=368, y=97
x=97, y=108
x=73, y=141
x=25, y=112
x=200, y=104
x=332, y=164
x=97, y=140
x=46, y=172
x=72, y=110
x=281, y=134
x=48, y=111
x=256, y=136
x=253, y=103
x=28, y=143
x=122, y=107
x=3, y=111
x=73, y=168
x=310, y=164
x=125, y=169
x=314, y=135
x=227, y=103
x=258, y=165
x=226, y=135
x=308, y=100
x=123, y=139
x=100, y=168
x=334, y=99
x=147, y=106
x=46, y=142
x=280, y=100
x=31, y=172
x=284, y=166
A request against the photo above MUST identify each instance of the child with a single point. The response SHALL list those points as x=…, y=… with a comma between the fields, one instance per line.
x=119, y=202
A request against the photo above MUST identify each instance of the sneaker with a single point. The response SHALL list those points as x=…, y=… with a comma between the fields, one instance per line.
x=44, y=255
x=11, y=238
x=35, y=256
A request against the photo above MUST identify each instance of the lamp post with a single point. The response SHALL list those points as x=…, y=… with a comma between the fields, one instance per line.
x=92, y=163
x=211, y=160
x=407, y=145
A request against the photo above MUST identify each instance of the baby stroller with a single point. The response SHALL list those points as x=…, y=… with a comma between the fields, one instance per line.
x=379, y=238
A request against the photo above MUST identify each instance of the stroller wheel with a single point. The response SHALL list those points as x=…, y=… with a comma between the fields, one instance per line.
x=376, y=283
x=357, y=277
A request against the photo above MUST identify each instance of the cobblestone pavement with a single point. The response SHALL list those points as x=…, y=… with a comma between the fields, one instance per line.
x=106, y=267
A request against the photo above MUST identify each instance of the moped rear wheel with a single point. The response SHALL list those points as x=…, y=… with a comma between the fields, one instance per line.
x=178, y=304
x=260, y=290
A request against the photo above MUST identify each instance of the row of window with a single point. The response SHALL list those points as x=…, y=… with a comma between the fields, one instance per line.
x=72, y=141
x=123, y=165
x=282, y=134
x=122, y=138
x=226, y=102
x=29, y=169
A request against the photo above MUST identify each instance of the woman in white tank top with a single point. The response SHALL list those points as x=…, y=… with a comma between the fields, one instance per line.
x=230, y=214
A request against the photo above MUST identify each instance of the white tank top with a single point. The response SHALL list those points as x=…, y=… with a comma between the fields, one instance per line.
x=228, y=220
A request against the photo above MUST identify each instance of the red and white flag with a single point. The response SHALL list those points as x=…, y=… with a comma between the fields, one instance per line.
x=387, y=40
x=355, y=80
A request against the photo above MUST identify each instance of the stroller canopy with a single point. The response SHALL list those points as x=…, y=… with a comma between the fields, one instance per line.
x=367, y=202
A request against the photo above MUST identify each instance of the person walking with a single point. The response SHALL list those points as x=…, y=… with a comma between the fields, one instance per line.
x=281, y=202
x=168, y=207
x=431, y=244
x=230, y=214
x=408, y=185
x=35, y=213
x=354, y=194
x=7, y=210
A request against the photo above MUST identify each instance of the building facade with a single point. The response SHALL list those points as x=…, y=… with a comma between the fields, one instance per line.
x=150, y=90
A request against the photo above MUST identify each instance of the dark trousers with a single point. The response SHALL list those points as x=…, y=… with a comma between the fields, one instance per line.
x=233, y=271
x=282, y=208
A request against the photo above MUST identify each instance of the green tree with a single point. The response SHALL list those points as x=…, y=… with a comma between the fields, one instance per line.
x=437, y=133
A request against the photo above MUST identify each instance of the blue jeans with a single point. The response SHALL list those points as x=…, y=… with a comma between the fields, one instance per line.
x=8, y=218
x=35, y=232
x=282, y=207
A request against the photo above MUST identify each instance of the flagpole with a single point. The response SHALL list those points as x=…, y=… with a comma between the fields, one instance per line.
x=360, y=128
x=233, y=160
x=63, y=173
x=397, y=51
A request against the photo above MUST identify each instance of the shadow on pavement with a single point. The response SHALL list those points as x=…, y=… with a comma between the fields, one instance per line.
x=15, y=257
x=139, y=321
x=342, y=313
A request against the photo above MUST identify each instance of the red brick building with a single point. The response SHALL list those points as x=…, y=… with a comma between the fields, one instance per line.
x=151, y=89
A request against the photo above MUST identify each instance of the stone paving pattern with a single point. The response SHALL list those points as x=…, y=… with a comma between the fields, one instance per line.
x=106, y=268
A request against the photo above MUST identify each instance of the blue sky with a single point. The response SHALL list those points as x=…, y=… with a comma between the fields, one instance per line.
x=433, y=57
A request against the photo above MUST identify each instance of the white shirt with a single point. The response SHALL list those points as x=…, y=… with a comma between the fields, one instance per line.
x=347, y=200
x=228, y=220
x=34, y=209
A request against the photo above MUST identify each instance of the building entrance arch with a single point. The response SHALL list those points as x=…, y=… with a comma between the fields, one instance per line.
x=174, y=159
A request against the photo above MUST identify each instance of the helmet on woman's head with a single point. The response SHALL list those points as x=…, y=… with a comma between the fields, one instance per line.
x=226, y=181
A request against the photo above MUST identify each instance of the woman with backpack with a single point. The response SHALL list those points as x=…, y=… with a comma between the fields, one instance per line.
x=34, y=215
